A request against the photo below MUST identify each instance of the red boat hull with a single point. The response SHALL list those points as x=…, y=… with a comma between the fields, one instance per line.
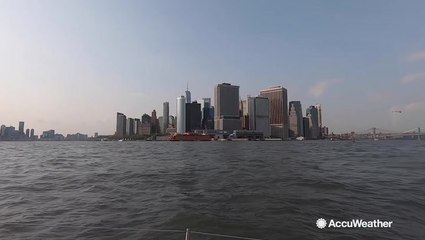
x=190, y=137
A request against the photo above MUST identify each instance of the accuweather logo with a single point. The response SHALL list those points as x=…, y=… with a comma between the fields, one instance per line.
x=354, y=223
x=321, y=223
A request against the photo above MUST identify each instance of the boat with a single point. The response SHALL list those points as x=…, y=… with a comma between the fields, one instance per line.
x=190, y=137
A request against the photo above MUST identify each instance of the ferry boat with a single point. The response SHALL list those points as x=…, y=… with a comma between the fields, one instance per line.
x=190, y=137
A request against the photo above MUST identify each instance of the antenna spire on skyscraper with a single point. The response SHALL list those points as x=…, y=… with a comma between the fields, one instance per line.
x=188, y=98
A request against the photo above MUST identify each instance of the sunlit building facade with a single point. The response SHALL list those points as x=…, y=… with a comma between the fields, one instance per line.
x=278, y=108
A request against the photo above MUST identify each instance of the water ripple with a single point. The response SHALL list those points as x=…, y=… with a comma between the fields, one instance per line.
x=267, y=190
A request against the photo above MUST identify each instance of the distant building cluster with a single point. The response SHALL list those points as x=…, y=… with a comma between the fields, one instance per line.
x=146, y=125
x=268, y=115
x=11, y=134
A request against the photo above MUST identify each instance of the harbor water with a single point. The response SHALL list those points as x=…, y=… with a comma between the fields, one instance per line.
x=263, y=190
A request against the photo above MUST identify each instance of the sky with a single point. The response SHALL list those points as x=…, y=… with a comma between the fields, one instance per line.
x=72, y=65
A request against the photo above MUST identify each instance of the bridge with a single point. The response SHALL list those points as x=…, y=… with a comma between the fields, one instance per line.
x=378, y=133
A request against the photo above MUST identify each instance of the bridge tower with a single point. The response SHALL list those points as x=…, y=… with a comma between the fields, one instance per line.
x=374, y=133
x=419, y=134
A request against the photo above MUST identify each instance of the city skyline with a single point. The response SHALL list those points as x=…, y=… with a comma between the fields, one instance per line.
x=70, y=66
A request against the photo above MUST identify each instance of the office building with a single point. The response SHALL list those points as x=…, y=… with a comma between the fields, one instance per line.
x=121, y=125
x=313, y=120
x=49, y=134
x=306, y=128
x=166, y=116
x=130, y=127
x=27, y=133
x=154, y=123
x=319, y=120
x=21, y=127
x=137, y=127
x=146, y=118
x=77, y=137
x=181, y=115
x=10, y=133
x=278, y=107
x=160, y=124
x=211, y=122
x=226, y=103
x=193, y=116
x=258, y=112
x=145, y=129
x=188, y=95
x=295, y=119
x=244, y=113
x=207, y=114
x=2, y=130
x=173, y=121
x=32, y=133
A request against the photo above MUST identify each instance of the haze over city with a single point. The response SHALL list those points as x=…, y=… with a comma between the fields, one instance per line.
x=71, y=65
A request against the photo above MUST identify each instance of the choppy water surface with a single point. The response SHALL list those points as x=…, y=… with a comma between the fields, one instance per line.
x=266, y=190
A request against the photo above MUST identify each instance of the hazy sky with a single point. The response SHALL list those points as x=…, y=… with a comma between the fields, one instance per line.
x=71, y=65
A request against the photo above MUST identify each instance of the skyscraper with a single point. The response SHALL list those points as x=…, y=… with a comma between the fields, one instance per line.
x=244, y=113
x=181, y=115
x=160, y=124
x=188, y=97
x=306, y=128
x=319, y=115
x=313, y=120
x=2, y=130
x=121, y=125
x=226, y=103
x=278, y=107
x=193, y=116
x=172, y=121
x=154, y=122
x=166, y=116
x=32, y=133
x=137, y=126
x=258, y=111
x=319, y=120
x=146, y=119
x=207, y=114
x=21, y=127
x=130, y=127
x=295, y=119
x=27, y=133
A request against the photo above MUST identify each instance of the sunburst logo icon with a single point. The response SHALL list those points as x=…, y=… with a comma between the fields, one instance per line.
x=321, y=223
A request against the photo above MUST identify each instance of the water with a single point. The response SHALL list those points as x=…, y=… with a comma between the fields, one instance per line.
x=267, y=190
